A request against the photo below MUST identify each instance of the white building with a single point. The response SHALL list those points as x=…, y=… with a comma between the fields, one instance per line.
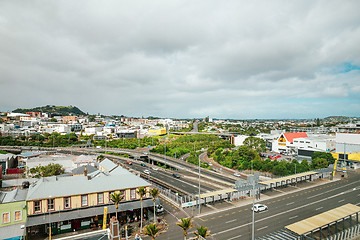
x=324, y=143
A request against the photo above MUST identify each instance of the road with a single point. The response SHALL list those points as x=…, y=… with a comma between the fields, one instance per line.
x=283, y=210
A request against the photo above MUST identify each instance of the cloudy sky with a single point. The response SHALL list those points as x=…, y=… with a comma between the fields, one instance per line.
x=183, y=59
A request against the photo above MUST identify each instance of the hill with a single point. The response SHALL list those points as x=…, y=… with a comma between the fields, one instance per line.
x=53, y=110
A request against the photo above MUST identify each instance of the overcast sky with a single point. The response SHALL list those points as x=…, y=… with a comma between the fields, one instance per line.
x=183, y=59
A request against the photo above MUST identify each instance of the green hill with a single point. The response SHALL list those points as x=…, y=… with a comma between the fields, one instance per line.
x=53, y=110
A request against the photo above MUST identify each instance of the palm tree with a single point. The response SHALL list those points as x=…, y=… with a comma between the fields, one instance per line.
x=116, y=198
x=142, y=192
x=185, y=224
x=202, y=233
x=151, y=230
x=154, y=193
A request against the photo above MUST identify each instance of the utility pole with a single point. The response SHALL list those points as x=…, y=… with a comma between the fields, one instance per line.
x=199, y=187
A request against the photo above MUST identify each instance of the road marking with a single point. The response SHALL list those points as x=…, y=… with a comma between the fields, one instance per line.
x=341, y=200
x=234, y=237
x=281, y=213
x=293, y=217
x=202, y=220
x=290, y=203
x=231, y=221
x=319, y=208
x=262, y=228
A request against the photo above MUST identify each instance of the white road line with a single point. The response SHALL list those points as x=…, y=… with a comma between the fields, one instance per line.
x=231, y=221
x=281, y=213
x=262, y=228
x=341, y=200
x=319, y=208
x=290, y=203
x=293, y=217
x=234, y=237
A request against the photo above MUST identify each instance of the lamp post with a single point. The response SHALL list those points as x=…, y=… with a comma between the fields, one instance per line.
x=199, y=187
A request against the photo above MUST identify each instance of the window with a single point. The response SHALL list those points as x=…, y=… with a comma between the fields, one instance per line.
x=18, y=215
x=6, y=217
x=51, y=204
x=122, y=192
x=37, y=206
x=100, y=198
x=84, y=200
x=133, y=193
x=110, y=193
x=67, y=202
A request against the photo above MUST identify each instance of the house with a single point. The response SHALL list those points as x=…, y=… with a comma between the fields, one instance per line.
x=71, y=203
x=107, y=165
x=85, y=160
x=8, y=161
x=13, y=214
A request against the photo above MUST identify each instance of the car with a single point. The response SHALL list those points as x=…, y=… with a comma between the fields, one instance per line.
x=143, y=164
x=155, y=168
x=147, y=171
x=236, y=174
x=210, y=164
x=159, y=209
x=176, y=175
x=259, y=207
x=128, y=162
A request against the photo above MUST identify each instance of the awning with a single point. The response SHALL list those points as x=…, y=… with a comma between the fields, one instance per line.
x=85, y=212
x=323, y=219
x=282, y=179
x=216, y=193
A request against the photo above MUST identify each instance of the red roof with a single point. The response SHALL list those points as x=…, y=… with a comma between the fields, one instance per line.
x=291, y=136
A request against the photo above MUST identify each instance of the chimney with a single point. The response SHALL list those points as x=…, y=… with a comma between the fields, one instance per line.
x=85, y=171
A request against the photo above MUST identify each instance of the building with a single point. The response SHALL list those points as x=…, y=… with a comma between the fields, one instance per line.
x=157, y=132
x=69, y=119
x=284, y=143
x=70, y=207
x=13, y=214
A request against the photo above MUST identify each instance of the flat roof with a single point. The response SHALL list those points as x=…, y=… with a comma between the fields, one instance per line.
x=288, y=177
x=215, y=193
x=317, y=221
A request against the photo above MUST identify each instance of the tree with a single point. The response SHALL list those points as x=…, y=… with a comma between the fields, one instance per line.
x=47, y=171
x=142, y=192
x=185, y=224
x=154, y=193
x=116, y=198
x=202, y=232
x=255, y=143
x=151, y=230
x=319, y=163
x=328, y=156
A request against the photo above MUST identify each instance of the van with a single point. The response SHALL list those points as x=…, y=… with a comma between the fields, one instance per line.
x=159, y=209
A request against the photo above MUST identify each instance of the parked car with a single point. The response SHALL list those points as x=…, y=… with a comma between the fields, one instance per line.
x=128, y=162
x=143, y=164
x=176, y=175
x=155, y=168
x=259, y=207
x=236, y=174
x=147, y=171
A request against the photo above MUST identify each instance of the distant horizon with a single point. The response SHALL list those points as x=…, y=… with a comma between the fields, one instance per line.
x=189, y=118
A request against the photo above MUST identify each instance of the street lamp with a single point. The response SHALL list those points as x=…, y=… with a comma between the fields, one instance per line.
x=199, y=187
x=49, y=219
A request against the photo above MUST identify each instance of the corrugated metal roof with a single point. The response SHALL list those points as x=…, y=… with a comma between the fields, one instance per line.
x=15, y=195
x=108, y=164
x=317, y=221
x=80, y=184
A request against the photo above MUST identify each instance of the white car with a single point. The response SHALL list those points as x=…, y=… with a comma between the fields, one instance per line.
x=259, y=207
x=236, y=174
x=155, y=168
x=146, y=171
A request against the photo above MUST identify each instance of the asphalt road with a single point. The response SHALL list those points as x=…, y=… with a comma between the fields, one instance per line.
x=283, y=210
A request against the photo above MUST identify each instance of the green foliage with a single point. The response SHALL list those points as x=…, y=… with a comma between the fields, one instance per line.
x=57, y=110
x=185, y=144
x=255, y=143
x=185, y=225
x=53, y=120
x=46, y=171
x=328, y=156
x=129, y=143
x=319, y=163
x=202, y=232
x=3, y=152
x=151, y=230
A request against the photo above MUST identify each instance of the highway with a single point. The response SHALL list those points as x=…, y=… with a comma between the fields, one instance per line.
x=283, y=210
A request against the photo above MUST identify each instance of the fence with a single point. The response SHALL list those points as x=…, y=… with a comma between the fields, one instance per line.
x=347, y=234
